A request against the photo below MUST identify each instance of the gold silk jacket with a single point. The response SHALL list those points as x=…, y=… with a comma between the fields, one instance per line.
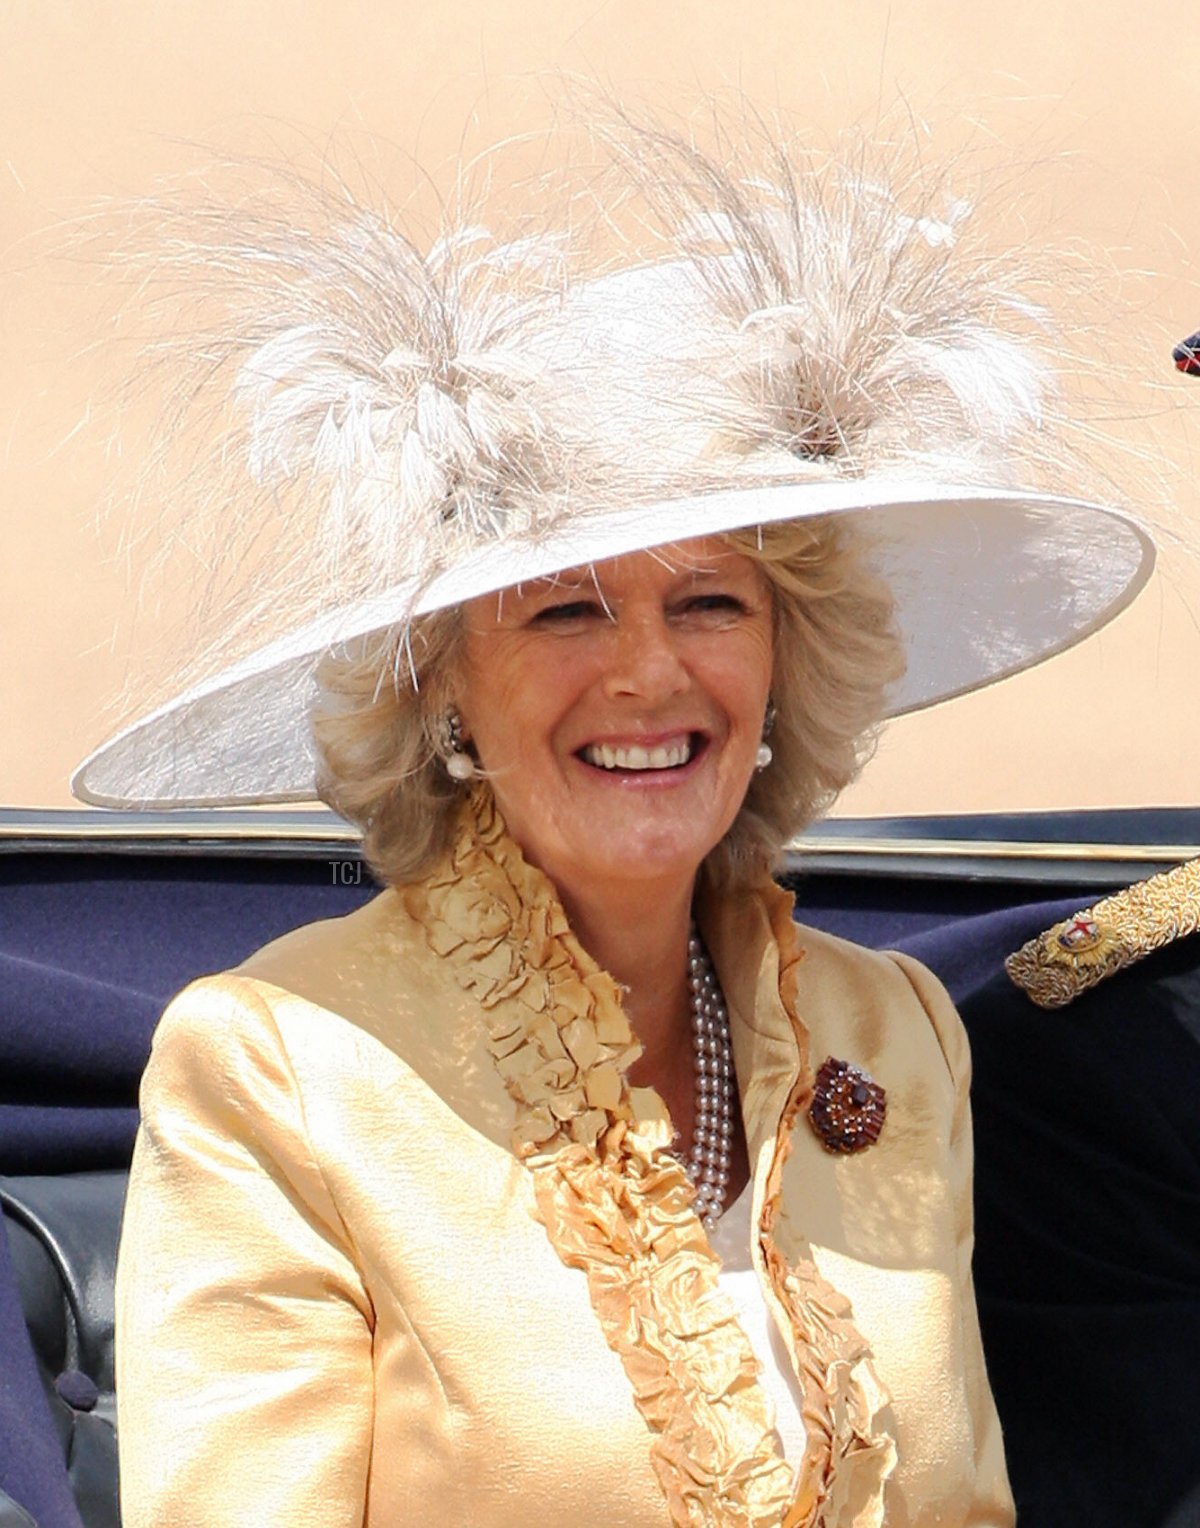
x=403, y=1247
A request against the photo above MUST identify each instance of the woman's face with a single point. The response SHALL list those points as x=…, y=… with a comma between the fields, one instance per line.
x=618, y=709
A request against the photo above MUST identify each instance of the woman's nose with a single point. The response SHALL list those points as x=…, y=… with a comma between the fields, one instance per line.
x=645, y=661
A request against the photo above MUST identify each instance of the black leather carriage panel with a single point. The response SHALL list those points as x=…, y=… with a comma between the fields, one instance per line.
x=62, y=1238
x=12, y=1515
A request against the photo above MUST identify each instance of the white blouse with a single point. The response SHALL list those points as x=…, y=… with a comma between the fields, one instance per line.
x=731, y=1242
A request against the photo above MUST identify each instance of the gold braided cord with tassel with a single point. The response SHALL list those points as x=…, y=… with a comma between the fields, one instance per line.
x=1118, y=931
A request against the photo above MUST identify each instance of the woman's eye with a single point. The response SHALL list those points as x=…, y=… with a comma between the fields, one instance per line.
x=715, y=604
x=565, y=613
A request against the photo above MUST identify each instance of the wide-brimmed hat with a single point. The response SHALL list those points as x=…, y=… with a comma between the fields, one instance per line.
x=830, y=365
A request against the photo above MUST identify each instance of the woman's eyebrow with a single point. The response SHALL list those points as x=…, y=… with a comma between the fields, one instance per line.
x=711, y=573
x=554, y=583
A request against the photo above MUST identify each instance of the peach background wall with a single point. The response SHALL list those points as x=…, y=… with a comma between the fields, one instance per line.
x=98, y=97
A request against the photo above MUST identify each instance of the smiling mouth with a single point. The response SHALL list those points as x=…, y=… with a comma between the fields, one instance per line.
x=633, y=757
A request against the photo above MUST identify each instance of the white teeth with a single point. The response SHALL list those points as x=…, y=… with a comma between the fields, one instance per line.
x=664, y=756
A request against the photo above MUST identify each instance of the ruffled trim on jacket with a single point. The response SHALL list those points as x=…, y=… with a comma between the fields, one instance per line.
x=849, y=1454
x=617, y=1205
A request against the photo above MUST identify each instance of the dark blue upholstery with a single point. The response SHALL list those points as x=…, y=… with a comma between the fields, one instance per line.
x=91, y=949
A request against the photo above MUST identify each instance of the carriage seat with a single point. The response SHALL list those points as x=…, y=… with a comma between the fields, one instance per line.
x=62, y=1233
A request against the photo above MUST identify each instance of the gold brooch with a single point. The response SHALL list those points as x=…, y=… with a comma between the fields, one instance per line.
x=848, y=1107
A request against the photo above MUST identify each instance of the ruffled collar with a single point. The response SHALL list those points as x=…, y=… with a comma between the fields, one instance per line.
x=616, y=1203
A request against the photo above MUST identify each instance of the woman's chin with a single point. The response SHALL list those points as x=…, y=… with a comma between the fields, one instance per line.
x=608, y=828
x=648, y=853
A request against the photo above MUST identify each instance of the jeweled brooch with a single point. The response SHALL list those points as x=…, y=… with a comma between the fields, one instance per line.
x=848, y=1107
x=1078, y=935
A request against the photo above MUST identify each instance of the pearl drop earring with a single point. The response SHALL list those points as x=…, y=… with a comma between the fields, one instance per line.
x=459, y=763
x=765, y=752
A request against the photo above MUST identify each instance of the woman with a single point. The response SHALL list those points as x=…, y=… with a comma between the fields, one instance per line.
x=569, y=1179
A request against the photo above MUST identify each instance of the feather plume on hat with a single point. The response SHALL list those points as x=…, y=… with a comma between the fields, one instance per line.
x=364, y=412
x=863, y=328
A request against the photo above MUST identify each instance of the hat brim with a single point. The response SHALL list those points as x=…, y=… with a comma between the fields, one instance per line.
x=986, y=584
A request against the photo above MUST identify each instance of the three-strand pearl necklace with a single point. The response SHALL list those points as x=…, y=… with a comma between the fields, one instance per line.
x=708, y=1163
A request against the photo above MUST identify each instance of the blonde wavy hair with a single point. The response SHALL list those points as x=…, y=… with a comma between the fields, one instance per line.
x=379, y=724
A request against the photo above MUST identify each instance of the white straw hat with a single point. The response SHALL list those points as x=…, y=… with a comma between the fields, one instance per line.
x=666, y=384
